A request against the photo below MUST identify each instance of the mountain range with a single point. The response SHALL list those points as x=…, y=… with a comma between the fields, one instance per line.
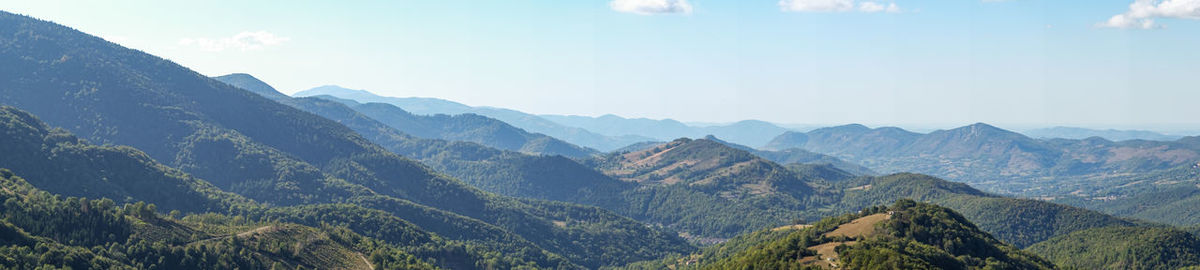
x=114, y=158
x=696, y=211
x=277, y=155
x=748, y=132
x=993, y=158
x=529, y=122
x=605, y=133
x=712, y=182
x=1107, y=134
x=462, y=127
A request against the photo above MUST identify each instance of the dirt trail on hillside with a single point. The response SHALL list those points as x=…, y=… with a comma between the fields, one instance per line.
x=244, y=234
x=827, y=256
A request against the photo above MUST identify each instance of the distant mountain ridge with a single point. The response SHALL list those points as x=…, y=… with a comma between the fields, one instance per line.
x=799, y=156
x=529, y=122
x=753, y=133
x=605, y=133
x=463, y=127
x=982, y=153
x=1108, y=134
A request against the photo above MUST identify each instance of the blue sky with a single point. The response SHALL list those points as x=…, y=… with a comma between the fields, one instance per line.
x=908, y=63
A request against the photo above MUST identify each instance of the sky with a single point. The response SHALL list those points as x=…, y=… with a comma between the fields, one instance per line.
x=1015, y=63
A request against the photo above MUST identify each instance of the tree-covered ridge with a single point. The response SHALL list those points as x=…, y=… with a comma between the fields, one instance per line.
x=38, y=229
x=1021, y=222
x=1121, y=247
x=57, y=161
x=920, y=235
x=905, y=235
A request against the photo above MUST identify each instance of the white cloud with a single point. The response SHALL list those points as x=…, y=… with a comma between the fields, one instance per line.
x=244, y=41
x=1142, y=13
x=837, y=6
x=651, y=7
x=870, y=7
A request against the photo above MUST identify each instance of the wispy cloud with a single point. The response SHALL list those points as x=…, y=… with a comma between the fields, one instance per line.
x=837, y=6
x=244, y=41
x=1142, y=13
x=652, y=7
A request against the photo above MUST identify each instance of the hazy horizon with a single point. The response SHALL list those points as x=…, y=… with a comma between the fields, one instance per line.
x=919, y=65
x=1173, y=130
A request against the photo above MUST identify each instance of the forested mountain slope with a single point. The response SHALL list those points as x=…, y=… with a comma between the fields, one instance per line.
x=58, y=161
x=39, y=229
x=1021, y=222
x=1121, y=247
x=266, y=151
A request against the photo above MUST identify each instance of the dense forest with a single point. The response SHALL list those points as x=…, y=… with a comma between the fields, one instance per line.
x=40, y=230
x=1120, y=247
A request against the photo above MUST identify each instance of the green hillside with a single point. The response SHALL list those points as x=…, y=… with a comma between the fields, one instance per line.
x=906, y=235
x=43, y=230
x=1021, y=222
x=74, y=172
x=1122, y=248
